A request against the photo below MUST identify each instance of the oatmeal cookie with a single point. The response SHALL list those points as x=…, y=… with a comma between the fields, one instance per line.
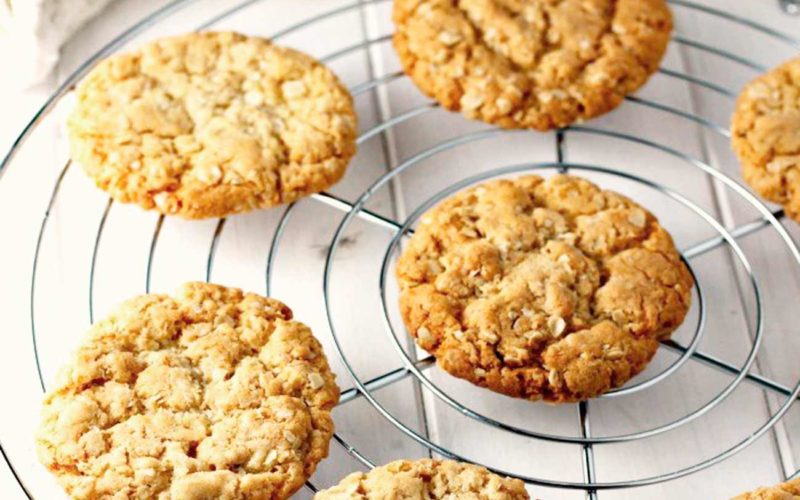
x=212, y=394
x=536, y=64
x=542, y=289
x=430, y=479
x=789, y=490
x=211, y=124
x=765, y=134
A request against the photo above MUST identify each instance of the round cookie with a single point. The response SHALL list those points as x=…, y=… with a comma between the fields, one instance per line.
x=530, y=64
x=765, y=134
x=542, y=289
x=212, y=124
x=429, y=479
x=212, y=394
x=790, y=490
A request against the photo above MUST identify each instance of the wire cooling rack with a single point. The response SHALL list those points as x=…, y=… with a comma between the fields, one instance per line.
x=417, y=366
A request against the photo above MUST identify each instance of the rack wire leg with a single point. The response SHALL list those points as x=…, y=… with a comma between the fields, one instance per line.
x=587, y=452
x=560, y=151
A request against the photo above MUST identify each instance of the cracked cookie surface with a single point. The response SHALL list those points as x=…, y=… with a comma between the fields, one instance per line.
x=536, y=64
x=542, y=289
x=765, y=134
x=428, y=479
x=212, y=394
x=790, y=490
x=211, y=124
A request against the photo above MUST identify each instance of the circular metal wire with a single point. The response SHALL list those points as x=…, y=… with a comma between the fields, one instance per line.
x=359, y=204
x=630, y=389
x=491, y=133
x=364, y=388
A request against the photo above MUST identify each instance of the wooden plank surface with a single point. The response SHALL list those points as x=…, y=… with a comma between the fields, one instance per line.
x=67, y=258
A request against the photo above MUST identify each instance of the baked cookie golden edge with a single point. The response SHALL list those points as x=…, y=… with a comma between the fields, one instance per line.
x=212, y=124
x=212, y=393
x=407, y=480
x=765, y=132
x=790, y=490
x=536, y=64
x=542, y=289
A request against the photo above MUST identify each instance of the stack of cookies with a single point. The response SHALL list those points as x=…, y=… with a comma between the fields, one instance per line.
x=544, y=289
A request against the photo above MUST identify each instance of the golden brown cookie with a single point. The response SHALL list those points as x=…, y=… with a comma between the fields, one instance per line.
x=212, y=394
x=789, y=490
x=766, y=135
x=426, y=479
x=542, y=289
x=211, y=124
x=530, y=63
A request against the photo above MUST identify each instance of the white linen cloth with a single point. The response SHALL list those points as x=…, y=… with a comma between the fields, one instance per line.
x=32, y=32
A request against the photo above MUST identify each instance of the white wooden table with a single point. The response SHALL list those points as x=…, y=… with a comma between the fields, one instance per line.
x=68, y=264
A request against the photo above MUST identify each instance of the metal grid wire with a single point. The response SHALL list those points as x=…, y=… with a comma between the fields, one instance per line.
x=416, y=368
